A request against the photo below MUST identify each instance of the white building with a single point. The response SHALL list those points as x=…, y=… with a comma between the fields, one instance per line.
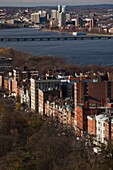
x=10, y=21
x=53, y=14
x=43, y=13
x=35, y=17
x=24, y=96
x=62, y=19
x=100, y=127
x=111, y=30
x=44, y=85
x=63, y=8
x=59, y=8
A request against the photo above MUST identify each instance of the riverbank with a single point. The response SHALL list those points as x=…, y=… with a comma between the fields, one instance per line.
x=70, y=32
x=93, y=34
x=44, y=63
x=56, y=31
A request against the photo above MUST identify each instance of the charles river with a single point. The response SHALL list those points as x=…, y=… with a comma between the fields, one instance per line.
x=83, y=52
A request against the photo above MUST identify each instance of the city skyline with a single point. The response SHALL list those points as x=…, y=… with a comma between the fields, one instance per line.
x=52, y=2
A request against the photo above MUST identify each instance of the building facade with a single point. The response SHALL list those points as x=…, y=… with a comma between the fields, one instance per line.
x=44, y=85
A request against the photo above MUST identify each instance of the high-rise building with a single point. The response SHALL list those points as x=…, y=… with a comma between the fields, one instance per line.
x=97, y=93
x=53, y=14
x=35, y=17
x=43, y=14
x=53, y=23
x=62, y=19
x=92, y=23
x=59, y=8
x=78, y=22
x=68, y=17
x=44, y=85
x=63, y=8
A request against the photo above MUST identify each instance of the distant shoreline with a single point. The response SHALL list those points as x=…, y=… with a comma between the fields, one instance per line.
x=58, y=31
x=66, y=32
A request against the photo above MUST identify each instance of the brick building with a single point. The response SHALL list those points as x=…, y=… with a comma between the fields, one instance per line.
x=91, y=123
x=98, y=92
x=81, y=117
x=109, y=129
x=63, y=114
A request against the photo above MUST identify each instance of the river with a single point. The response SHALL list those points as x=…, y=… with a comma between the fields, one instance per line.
x=82, y=52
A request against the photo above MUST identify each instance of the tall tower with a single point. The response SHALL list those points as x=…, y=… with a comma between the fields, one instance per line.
x=63, y=8
x=59, y=8
x=62, y=19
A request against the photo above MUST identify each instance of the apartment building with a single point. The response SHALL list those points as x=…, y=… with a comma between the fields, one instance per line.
x=109, y=129
x=91, y=123
x=81, y=118
x=5, y=64
x=97, y=93
x=44, y=85
x=100, y=127
x=63, y=114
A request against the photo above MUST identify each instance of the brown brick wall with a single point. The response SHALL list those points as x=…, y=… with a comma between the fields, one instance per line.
x=91, y=126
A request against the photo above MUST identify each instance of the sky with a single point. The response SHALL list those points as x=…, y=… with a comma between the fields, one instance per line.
x=52, y=2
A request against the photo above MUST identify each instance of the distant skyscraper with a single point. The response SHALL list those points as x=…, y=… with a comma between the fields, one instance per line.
x=59, y=8
x=92, y=23
x=53, y=14
x=63, y=8
x=43, y=13
x=68, y=17
x=78, y=22
x=35, y=17
x=62, y=19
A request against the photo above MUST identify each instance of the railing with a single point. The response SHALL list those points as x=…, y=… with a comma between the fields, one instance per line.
x=57, y=38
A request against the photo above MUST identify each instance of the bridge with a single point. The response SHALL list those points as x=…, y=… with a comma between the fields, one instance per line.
x=56, y=38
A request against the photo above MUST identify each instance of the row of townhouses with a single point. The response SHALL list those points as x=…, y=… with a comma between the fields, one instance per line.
x=82, y=102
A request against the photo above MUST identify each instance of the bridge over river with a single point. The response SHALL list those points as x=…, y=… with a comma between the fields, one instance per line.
x=56, y=38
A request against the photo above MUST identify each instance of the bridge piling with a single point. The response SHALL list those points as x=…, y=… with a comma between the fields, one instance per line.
x=109, y=37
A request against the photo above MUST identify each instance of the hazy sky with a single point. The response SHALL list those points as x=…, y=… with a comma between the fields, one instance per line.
x=51, y=2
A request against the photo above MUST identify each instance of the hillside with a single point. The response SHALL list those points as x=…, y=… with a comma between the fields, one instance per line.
x=38, y=62
x=31, y=142
x=43, y=63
